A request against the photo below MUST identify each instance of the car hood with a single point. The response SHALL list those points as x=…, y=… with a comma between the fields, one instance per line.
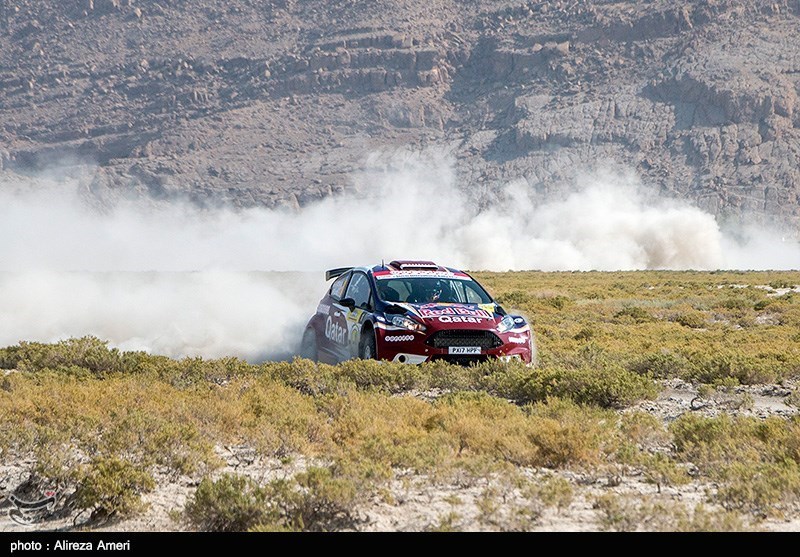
x=455, y=316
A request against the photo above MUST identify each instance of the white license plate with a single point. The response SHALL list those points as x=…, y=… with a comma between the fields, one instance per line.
x=464, y=350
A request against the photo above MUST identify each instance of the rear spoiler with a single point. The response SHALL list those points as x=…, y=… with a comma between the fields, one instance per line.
x=333, y=273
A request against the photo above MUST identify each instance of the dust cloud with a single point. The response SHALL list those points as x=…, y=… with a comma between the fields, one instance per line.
x=179, y=280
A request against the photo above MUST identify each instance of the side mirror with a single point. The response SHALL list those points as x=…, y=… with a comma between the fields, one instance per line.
x=349, y=303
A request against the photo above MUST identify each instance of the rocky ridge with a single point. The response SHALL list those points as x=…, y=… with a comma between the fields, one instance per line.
x=280, y=103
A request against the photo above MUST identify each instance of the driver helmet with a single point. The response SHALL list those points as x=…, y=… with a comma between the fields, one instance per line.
x=434, y=292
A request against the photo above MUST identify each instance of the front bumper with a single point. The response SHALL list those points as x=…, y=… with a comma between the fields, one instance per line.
x=415, y=348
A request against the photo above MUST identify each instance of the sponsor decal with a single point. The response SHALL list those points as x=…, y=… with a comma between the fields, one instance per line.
x=380, y=275
x=437, y=311
x=459, y=319
x=323, y=308
x=518, y=340
x=335, y=332
x=399, y=338
x=519, y=320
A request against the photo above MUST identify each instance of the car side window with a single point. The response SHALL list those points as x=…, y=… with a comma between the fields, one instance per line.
x=337, y=288
x=359, y=290
x=473, y=297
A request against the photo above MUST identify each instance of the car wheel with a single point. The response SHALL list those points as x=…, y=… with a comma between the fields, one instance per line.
x=308, y=347
x=367, y=349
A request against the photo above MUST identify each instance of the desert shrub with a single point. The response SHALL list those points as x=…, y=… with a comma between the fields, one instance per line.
x=514, y=299
x=617, y=513
x=781, y=438
x=661, y=470
x=691, y=319
x=790, y=317
x=385, y=375
x=552, y=491
x=713, y=441
x=608, y=387
x=586, y=333
x=88, y=353
x=566, y=433
x=315, y=500
x=277, y=420
x=558, y=302
x=762, y=304
x=319, y=500
x=760, y=488
x=661, y=365
x=635, y=313
x=644, y=429
x=304, y=375
x=477, y=424
x=746, y=369
x=628, y=513
x=189, y=372
x=757, y=462
x=441, y=375
x=449, y=522
x=380, y=432
x=230, y=504
x=736, y=304
x=110, y=487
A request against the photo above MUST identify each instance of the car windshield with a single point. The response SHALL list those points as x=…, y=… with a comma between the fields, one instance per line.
x=428, y=290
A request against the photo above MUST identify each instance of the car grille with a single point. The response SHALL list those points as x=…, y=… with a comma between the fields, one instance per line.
x=458, y=337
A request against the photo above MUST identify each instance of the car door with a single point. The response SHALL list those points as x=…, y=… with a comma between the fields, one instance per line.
x=334, y=330
x=358, y=290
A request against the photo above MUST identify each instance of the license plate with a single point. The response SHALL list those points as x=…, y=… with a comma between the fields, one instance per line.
x=464, y=350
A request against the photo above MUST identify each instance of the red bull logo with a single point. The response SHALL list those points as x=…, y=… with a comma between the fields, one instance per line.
x=440, y=311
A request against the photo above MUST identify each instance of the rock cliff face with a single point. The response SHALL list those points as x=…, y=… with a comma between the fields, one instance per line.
x=277, y=103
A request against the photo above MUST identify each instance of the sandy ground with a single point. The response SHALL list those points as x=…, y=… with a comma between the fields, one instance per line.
x=412, y=502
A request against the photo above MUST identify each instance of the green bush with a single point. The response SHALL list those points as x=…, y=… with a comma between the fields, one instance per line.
x=760, y=488
x=608, y=387
x=88, y=353
x=634, y=313
x=315, y=500
x=691, y=319
x=736, y=304
x=111, y=487
x=661, y=365
x=321, y=501
x=745, y=369
x=627, y=513
x=230, y=504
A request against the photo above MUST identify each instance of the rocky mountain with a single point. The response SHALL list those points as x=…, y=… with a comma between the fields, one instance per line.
x=278, y=103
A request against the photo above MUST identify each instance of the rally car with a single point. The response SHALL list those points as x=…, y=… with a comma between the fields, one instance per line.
x=412, y=312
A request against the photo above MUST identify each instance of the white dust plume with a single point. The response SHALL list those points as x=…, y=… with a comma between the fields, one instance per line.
x=179, y=280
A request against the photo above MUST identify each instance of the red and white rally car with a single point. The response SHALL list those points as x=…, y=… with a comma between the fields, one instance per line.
x=412, y=312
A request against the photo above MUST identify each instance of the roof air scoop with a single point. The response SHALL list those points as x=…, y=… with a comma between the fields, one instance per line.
x=414, y=265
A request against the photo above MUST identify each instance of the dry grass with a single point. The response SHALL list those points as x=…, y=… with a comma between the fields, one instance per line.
x=101, y=422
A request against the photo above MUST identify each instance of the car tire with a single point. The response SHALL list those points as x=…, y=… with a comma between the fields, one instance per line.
x=367, y=349
x=308, y=346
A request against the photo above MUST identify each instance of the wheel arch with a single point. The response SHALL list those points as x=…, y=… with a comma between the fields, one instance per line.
x=369, y=327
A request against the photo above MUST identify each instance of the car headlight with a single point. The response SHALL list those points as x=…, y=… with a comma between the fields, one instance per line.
x=406, y=323
x=506, y=324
